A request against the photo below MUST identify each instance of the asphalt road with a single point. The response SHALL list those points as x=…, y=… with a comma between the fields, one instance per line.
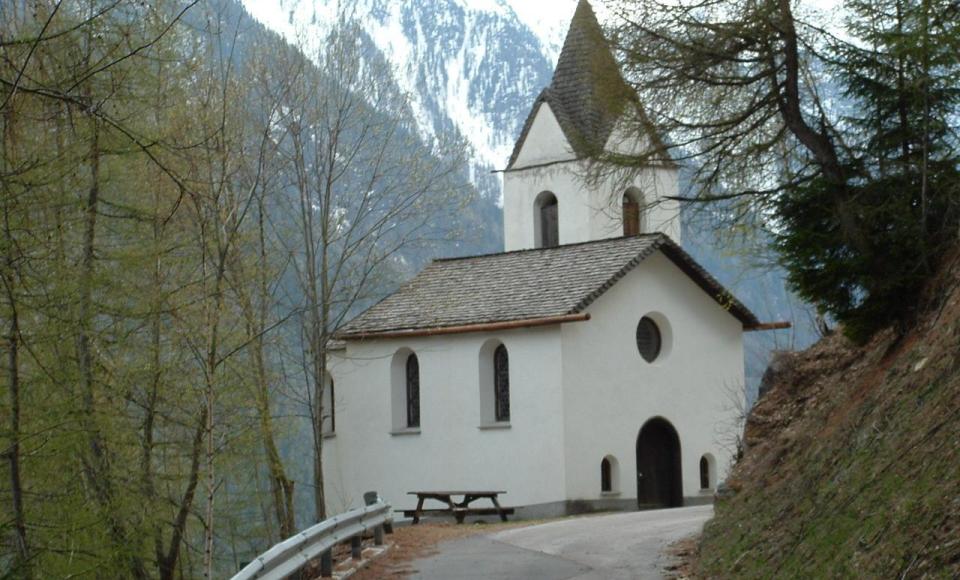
x=623, y=546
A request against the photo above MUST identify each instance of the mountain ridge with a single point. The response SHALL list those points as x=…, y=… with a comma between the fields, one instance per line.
x=451, y=57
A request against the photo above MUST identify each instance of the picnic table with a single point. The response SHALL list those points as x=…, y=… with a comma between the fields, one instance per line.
x=458, y=509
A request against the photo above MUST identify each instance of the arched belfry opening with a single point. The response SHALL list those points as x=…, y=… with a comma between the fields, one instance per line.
x=659, y=477
x=546, y=220
x=632, y=211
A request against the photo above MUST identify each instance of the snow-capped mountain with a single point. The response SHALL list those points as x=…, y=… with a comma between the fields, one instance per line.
x=471, y=66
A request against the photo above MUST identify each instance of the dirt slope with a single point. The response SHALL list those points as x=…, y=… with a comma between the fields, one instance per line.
x=853, y=461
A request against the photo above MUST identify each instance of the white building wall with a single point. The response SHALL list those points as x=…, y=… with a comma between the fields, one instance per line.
x=578, y=392
x=585, y=211
x=610, y=391
x=545, y=141
x=451, y=451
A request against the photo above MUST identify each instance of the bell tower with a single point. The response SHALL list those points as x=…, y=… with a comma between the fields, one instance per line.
x=547, y=200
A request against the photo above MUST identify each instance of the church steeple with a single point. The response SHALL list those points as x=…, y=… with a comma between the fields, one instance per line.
x=587, y=109
x=587, y=93
x=587, y=83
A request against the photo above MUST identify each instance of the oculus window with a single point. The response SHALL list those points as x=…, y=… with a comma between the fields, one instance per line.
x=649, y=339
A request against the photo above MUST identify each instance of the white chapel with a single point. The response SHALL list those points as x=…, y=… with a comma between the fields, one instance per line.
x=592, y=365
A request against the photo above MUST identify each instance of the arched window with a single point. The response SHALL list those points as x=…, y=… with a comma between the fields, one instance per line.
x=329, y=410
x=609, y=475
x=501, y=383
x=706, y=471
x=631, y=212
x=413, y=391
x=547, y=230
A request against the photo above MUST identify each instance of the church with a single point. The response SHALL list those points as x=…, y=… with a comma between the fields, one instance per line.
x=592, y=365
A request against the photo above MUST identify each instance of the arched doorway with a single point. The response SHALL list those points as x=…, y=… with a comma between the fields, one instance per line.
x=659, y=479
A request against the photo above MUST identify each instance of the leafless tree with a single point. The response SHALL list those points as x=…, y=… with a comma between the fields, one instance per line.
x=364, y=190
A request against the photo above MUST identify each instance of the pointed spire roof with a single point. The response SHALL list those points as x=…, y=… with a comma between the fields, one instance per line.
x=587, y=93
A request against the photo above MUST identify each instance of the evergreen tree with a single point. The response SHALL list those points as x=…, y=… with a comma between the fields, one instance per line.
x=847, y=147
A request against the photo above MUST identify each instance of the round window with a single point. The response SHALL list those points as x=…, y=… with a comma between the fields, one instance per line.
x=649, y=341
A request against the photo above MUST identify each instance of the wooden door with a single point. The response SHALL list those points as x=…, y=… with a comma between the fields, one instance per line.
x=659, y=478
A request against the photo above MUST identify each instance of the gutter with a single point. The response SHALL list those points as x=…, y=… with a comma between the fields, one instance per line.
x=767, y=326
x=465, y=328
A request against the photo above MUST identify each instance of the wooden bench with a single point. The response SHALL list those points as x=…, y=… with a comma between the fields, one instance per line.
x=458, y=509
x=460, y=513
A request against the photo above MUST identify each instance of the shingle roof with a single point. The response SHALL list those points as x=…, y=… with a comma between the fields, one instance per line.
x=524, y=285
x=587, y=93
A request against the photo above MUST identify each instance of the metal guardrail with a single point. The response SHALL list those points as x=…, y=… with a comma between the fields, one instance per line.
x=285, y=558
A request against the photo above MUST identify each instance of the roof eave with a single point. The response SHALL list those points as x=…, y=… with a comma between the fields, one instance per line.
x=709, y=284
x=466, y=328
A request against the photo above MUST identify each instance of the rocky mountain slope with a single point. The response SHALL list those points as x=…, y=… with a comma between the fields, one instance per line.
x=470, y=67
x=852, y=468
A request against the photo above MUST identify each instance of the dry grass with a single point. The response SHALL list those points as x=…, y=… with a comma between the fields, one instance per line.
x=853, y=461
x=682, y=554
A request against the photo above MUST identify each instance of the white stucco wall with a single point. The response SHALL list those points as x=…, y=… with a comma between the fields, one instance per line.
x=578, y=392
x=451, y=451
x=610, y=391
x=586, y=211
x=545, y=141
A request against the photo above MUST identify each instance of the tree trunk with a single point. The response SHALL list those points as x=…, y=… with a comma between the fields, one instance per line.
x=156, y=374
x=97, y=463
x=167, y=563
x=314, y=321
x=210, y=392
x=21, y=548
x=818, y=143
x=281, y=487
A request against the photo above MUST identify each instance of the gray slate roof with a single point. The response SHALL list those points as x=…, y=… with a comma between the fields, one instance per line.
x=587, y=93
x=525, y=284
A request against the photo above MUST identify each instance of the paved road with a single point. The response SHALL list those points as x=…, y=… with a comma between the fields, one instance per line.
x=625, y=546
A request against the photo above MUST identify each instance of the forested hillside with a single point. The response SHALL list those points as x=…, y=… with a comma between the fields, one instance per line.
x=190, y=206
x=852, y=460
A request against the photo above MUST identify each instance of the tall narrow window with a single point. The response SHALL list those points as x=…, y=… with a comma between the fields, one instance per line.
x=501, y=383
x=606, y=475
x=704, y=473
x=547, y=230
x=329, y=408
x=332, y=408
x=413, y=391
x=631, y=213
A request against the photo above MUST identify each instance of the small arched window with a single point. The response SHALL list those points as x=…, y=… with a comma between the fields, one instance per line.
x=706, y=472
x=631, y=212
x=606, y=475
x=547, y=229
x=501, y=383
x=413, y=391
